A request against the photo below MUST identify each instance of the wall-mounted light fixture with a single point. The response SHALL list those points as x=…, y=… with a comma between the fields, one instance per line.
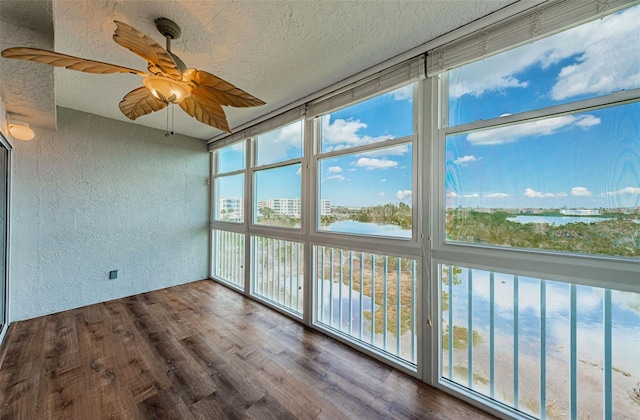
x=21, y=131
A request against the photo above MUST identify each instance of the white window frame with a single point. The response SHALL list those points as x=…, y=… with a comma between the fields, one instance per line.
x=410, y=247
x=585, y=269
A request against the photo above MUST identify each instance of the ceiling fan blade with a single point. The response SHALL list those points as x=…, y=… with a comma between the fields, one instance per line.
x=218, y=90
x=206, y=112
x=68, y=61
x=140, y=102
x=144, y=46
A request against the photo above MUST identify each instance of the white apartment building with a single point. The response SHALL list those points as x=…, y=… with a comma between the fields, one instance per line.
x=230, y=208
x=292, y=206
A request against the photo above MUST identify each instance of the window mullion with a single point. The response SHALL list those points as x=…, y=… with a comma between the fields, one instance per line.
x=248, y=214
x=585, y=105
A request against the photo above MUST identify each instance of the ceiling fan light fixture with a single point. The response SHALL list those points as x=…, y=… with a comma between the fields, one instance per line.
x=21, y=131
x=167, y=90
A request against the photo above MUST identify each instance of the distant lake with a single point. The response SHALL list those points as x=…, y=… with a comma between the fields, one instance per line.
x=556, y=220
x=350, y=226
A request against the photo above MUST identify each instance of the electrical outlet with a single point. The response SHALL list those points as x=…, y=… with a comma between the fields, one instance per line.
x=113, y=274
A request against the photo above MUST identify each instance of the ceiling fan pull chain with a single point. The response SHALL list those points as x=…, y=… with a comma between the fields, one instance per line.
x=172, y=114
x=166, y=134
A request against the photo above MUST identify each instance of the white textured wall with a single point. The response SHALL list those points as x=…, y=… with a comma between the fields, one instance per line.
x=100, y=195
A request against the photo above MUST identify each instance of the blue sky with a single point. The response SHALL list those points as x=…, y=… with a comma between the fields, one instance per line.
x=589, y=159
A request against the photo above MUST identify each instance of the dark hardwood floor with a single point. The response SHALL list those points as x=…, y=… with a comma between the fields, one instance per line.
x=199, y=351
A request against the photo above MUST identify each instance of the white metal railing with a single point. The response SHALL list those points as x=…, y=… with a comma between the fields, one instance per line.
x=368, y=297
x=278, y=272
x=228, y=257
x=546, y=348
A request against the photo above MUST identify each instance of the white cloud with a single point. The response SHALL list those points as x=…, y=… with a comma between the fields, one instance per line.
x=588, y=121
x=530, y=192
x=405, y=93
x=372, y=163
x=497, y=195
x=588, y=74
x=273, y=146
x=625, y=190
x=334, y=169
x=341, y=134
x=465, y=159
x=336, y=177
x=402, y=194
x=598, y=70
x=456, y=195
x=383, y=180
x=381, y=194
x=580, y=192
x=546, y=127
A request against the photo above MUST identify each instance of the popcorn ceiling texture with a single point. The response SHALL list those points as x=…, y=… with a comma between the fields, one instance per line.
x=100, y=195
x=279, y=51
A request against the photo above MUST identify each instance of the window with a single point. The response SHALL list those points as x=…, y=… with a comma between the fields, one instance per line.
x=569, y=183
x=229, y=183
x=368, y=297
x=277, y=182
x=227, y=238
x=590, y=60
x=549, y=179
x=540, y=202
x=365, y=168
x=530, y=343
x=365, y=177
x=277, y=192
x=279, y=272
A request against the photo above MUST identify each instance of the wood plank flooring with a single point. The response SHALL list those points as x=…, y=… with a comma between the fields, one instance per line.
x=199, y=351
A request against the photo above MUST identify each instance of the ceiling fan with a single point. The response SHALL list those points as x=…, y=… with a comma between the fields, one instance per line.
x=199, y=93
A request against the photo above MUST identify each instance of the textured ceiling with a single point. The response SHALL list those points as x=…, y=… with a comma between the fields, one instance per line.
x=279, y=51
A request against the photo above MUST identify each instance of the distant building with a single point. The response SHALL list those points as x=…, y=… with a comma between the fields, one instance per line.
x=580, y=212
x=283, y=206
x=532, y=211
x=230, y=208
x=325, y=207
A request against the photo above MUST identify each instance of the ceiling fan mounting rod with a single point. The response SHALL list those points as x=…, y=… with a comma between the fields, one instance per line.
x=169, y=29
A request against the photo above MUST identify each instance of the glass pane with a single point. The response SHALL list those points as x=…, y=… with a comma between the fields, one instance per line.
x=591, y=60
x=228, y=257
x=378, y=119
x=279, y=145
x=533, y=344
x=229, y=202
x=367, y=193
x=277, y=196
x=368, y=297
x=231, y=158
x=568, y=183
x=278, y=272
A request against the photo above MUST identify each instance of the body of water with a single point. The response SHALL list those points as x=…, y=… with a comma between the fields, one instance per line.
x=350, y=226
x=556, y=220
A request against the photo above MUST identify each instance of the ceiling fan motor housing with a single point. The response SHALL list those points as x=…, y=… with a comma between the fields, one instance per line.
x=168, y=28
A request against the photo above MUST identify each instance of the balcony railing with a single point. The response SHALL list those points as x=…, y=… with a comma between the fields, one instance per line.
x=368, y=297
x=546, y=348
x=278, y=272
x=228, y=257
